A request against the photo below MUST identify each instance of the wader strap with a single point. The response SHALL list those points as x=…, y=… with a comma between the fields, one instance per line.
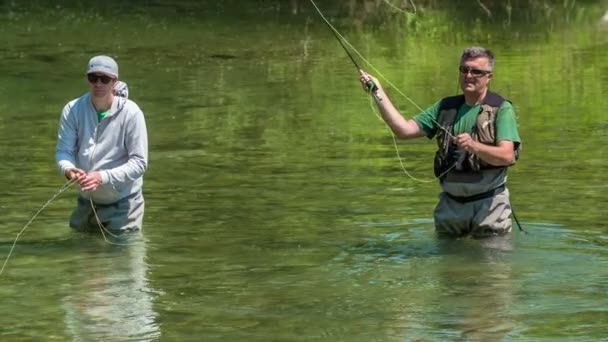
x=483, y=195
x=517, y=221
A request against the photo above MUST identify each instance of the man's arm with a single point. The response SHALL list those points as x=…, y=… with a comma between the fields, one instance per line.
x=67, y=138
x=136, y=142
x=402, y=128
x=501, y=155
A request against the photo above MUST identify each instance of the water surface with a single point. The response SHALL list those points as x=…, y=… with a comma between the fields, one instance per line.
x=277, y=208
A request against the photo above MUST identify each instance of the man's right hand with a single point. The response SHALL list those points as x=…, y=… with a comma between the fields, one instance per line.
x=369, y=82
x=75, y=174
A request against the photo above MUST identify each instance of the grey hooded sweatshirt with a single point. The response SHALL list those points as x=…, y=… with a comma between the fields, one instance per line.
x=117, y=147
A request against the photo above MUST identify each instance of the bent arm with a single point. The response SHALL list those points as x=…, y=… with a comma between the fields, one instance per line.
x=67, y=140
x=501, y=155
x=402, y=128
x=136, y=143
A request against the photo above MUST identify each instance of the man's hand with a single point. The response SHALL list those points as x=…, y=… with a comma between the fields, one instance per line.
x=368, y=81
x=501, y=155
x=91, y=182
x=465, y=142
x=75, y=174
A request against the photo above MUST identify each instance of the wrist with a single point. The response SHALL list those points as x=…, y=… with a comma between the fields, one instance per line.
x=379, y=95
x=476, y=147
x=105, y=178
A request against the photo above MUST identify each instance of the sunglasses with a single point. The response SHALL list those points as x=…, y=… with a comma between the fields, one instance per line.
x=103, y=78
x=474, y=72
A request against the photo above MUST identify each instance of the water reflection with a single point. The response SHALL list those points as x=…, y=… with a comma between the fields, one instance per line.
x=109, y=298
x=438, y=289
x=287, y=215
x=476, y=284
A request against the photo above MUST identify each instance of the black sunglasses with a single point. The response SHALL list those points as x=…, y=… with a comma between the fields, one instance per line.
x=103, y=78
x=474, y=72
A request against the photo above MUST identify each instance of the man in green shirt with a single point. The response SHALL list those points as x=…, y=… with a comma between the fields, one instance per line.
x=477, y=141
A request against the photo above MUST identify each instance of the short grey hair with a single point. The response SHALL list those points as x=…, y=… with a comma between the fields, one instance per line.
x=476, y=52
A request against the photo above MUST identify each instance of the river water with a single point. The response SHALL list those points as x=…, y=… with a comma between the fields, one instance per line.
x=277, y=208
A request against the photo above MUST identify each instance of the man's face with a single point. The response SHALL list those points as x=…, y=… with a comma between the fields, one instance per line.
x=475, y=74
x=100, y=84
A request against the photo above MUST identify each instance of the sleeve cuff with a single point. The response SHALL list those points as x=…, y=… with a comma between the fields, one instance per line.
x=65, y=166
x=105, y=177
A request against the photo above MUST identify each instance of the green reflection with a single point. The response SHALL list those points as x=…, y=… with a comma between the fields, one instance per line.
x=276, y=206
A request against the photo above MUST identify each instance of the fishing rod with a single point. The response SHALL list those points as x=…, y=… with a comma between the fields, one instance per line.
x=371, y=86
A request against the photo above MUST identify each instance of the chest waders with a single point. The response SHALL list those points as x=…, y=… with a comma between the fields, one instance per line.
x=461, y=165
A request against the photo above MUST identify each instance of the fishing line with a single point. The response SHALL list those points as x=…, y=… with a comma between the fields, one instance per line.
x=342, y=39
x=371, y=103
x=337, y=35
x=102, y=228
x=63, y=188
x=372, y=87
x=401, y=10
x=370, y=84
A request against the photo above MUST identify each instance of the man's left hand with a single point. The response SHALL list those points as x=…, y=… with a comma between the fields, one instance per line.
x=465, y=142
x=91, y=182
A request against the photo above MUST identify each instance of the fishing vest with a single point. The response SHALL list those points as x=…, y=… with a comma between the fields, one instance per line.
x=459, y=162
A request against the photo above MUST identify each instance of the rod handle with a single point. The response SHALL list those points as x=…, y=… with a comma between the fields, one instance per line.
x=373, y=89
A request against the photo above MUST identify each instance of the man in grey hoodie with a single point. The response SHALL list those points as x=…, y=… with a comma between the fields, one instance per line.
x=103, y=146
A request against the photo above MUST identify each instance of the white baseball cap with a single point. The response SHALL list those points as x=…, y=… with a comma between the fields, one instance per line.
x=103, y=64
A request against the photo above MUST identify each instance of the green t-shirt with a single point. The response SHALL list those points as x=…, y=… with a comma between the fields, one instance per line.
x=506, y=124
x=101, y=115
